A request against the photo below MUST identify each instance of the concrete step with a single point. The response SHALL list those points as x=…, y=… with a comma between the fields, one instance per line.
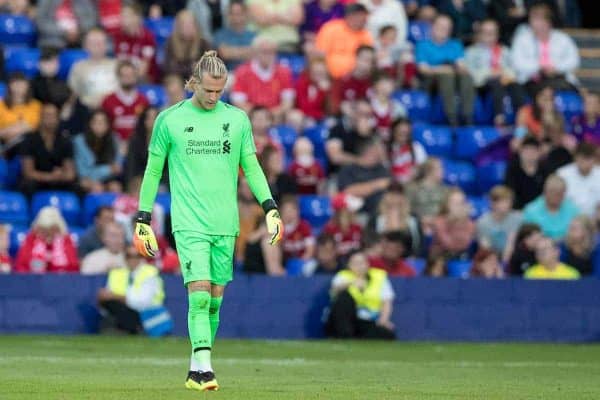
x=585, y=38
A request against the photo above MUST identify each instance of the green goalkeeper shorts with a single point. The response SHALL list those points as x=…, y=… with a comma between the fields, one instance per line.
x=205, y=257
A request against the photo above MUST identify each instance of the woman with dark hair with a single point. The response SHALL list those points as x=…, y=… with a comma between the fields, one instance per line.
x=486, y=265
x=580, y=248
x=523, y=254
x=185, y=45
x=405, y=153
x=279, y=181
x=137, y=153
x=96, y=155
x=532, y=117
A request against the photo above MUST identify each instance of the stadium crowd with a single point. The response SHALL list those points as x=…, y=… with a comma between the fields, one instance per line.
x=431, y=136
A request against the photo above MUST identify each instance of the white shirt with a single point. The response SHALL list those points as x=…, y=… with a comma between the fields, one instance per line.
x=100, y=261
x=584, y=191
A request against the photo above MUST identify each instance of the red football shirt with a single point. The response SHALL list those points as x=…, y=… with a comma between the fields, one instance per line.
x=140, y=47
x=262, y=88
x=350, y=88
x=399, y=268
x=296, y=239
x=123, y=111
x=346, y=241
x=307, y=178
x=310, y=98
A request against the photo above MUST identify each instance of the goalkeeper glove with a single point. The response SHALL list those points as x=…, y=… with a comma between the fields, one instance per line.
x=274, y=224
x=143, y=236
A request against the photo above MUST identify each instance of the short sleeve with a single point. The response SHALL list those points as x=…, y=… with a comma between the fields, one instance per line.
x=387, y=291
x=160, y=141
x=248, y=146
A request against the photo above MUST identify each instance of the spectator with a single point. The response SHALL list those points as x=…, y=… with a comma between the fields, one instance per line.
x=368, y=178
x=278, y=20
x=586, y=126
x=125, y=104
x=136, y=43
x=427, y=193
x=263, y=81
x=48, y=246
x=531, y=117
x=47, y=156
x=580, y=248
x=339, y=39
x=110, y=255
x=548, y=264
x=130, y=289
x=280, y=182
x=91, y=239
x=466, y=16
x=395, y=246
x=298, y=240
x=343, y=225
x=497, y=227
x=486, y=265
x=488, y=63
x=395, y=59
x=234, y=41
x=160, y=8
x=357, y=84
x=184, y=46
x=522, y=249
x=109, y=15
x=557, y=147
x=305, y=170
x=385, y=13
x=394, y=214
x=440, y=61
x=509, y=14
x=210, y=16
x=312, y=90
x=96, y=155
x=552, y=211
x=317, y=13
x=524, y=175
x=583, y=179
x=175, y=89
x=362, y=301
x=435, y=267
x=406, y=154
x=261, y=120
x=251, y=223
x=16, y=7
x=5, y=258
x=19, y=111
x=453, y=230
x=543, y=55
x=385, y=108
x=46, y=86
x=62, y=23
x=94, y=78
x=326, y=258
x=137, y=152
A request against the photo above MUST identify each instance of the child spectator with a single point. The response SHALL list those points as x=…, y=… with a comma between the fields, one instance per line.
x=5, y=259
x=453, y=230
x=280, y=182
x=586, y=126
x=406, y=154
x=46, y=86
x=580, y=248
x=395, y=59
x=522, y=254
x=313, y=89
x=548, y=264
x=298, y=240
x=427, y=193
x=496, y=227
x=305, y=170
x=343, y=226
x=524, y=174
x=531, y=117
x=385, y=109
x=486, y=264
x=395, y=245
x=48, y=246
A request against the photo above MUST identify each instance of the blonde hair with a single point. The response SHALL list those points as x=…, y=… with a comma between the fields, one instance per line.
x=49, y=217
x=586, y=243
x=209, y=63
x=185, y=49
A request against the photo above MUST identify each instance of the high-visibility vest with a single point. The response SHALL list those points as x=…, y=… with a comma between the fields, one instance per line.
x=370, y=298
x=118, y=281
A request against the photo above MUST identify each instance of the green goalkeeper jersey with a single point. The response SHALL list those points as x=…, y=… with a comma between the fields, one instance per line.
x=204, y=149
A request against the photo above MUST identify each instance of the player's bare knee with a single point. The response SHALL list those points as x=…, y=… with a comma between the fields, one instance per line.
x=217, y=290
x=199, y=286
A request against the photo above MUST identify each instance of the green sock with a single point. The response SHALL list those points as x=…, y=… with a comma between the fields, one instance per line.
x=199, y=328
x=213, y=316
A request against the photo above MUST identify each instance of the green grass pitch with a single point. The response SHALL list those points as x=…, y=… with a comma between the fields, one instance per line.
x=128, y=368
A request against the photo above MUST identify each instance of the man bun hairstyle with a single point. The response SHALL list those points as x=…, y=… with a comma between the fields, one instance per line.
x=209, y=63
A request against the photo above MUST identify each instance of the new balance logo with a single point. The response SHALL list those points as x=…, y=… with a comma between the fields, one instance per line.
x=226, y=147
x=189, y=129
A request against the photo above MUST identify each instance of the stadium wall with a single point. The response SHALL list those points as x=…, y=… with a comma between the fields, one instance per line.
x=291, y=308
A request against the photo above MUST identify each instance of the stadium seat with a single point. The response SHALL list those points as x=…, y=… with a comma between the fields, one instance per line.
x=459, y=173
x=489, y=175
x=164, y=199
x=294, y=267
x=3, y=174
x=437, y=115
x=296, y=63
x=17, y=30
x=318, y=135
x=76, y=232
x=14, y=172
x=316, y=210
x=286, y=135
x=66, y=202
x=459, y=268
x=17, y=237
x=156, y=94
x=419, y=30
x=437, y=140
x=470, y=140
x=67, y=58
x=416, y=103
x=418, y=264
x=569, y=104
x=2, y=90
x=22, y=59
x=484, y=110
x=92, y=202
x=13, y=208
x=479, y=205
x=161, y=28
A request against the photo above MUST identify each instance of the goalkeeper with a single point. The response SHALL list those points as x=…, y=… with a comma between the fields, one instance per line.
x=205, y=142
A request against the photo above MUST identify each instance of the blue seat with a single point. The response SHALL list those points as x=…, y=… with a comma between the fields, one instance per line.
x=2, y=90
x=17, y=237
x=76, y=232
x=161, y=28
x=294, y=267
x=296, y=63
x=479, y=205
x=484, y=110
x=3, y=174
x=437, y=114
x=490, y=175
x=419, y=30
x=286, y=135
x=14, y=172
x=156, y=94
x=318, y=135
x=470, y=140
x=66, y=202
x=459, y=268
x=316, y=210
x=13, y=208
x=569, y=104
x=67, y=58
x=164, y=199
x=22, y=59
x=459, y=173
x=93, y=202
x=17, y=30
x=418, y=264
x=437, y=140
x=416, y=103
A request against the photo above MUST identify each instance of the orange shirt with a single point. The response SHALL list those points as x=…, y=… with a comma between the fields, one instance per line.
x=28, y=112
x=525, y=116
x=339, y=43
